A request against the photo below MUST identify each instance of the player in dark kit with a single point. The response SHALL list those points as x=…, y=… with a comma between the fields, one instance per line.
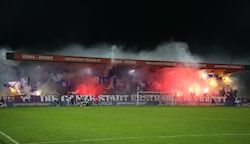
x=213, y=102
x=86, y=104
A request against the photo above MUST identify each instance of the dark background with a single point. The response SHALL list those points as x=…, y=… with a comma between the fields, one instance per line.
x=206, y=26
x=219, y=28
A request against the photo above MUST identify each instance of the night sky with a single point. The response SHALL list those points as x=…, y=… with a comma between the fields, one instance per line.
x=217, y=31
x=206, y=26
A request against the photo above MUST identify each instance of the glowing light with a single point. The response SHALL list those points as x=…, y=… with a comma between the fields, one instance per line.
x=203, y=75
x=38, y=92
x=131, y=71
x=213, y=83
x=12, y=90
x=191, y=90
x=227, y=80
x=178, y=94
x=205, y=90
x=195, y=89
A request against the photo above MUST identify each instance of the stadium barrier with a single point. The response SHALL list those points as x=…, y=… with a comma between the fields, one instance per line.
x=141, y=98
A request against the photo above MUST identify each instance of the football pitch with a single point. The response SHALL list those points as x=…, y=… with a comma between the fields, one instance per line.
x=125, y=124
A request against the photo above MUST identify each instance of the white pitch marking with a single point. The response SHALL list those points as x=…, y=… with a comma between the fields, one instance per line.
x=8, y=137
x=149, y=137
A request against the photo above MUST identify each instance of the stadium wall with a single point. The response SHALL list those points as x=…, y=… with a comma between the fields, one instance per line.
x=115, y=100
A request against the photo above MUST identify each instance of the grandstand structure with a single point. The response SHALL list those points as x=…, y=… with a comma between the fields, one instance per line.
x=227, y=68
x=156, y=82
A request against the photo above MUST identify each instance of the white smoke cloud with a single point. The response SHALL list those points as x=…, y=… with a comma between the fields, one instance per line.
x=7, y=70
x=170, y=51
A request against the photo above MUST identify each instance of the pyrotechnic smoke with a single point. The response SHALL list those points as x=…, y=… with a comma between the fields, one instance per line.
x=47, y=76
x=169, y=51
x=7, y=70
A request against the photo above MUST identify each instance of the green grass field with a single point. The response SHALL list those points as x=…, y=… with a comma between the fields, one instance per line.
x=125, y=124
